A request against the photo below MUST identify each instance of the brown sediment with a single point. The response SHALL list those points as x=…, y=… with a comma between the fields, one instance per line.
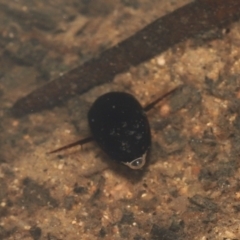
x=183, y=23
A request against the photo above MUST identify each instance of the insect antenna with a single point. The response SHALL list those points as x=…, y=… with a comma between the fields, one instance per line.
x=152, y=104
x=79, y=142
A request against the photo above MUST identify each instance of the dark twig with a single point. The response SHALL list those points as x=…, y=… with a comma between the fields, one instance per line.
x=183, y=23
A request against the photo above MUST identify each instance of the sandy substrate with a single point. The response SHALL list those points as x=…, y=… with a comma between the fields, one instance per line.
x=190, y=188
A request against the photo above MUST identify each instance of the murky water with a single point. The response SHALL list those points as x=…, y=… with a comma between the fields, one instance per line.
x=190, y=187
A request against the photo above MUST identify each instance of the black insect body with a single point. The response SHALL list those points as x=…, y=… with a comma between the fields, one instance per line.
x=120, y=127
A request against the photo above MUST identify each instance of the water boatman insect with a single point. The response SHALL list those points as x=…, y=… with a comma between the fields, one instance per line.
x=120, y=127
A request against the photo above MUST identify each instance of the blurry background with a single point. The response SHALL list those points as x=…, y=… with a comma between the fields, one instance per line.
x=190, y=190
